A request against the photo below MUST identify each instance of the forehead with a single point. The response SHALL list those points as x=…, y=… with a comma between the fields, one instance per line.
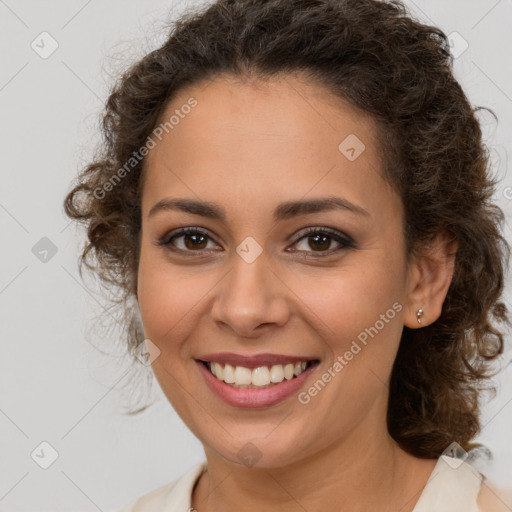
x=283, y=107
x=286, y=135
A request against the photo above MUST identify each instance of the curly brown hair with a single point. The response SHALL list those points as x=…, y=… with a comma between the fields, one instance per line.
x=378, y=57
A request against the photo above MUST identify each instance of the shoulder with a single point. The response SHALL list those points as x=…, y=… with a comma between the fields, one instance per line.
x=149, y=501
x=175, y=495
x=453, y=486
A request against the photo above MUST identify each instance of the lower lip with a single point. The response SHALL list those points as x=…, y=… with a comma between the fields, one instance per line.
x=252, y=397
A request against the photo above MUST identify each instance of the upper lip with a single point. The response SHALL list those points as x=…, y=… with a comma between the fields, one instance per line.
x=254, y=361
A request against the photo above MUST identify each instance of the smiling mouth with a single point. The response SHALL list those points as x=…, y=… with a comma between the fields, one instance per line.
x=257, y=378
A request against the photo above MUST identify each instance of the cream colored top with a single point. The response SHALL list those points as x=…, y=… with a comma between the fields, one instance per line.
x=453, y=486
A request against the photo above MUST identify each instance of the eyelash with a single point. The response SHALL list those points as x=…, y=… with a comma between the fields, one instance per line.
x=345, y=241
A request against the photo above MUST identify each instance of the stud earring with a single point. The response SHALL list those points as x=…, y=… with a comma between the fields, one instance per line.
x=418, y=315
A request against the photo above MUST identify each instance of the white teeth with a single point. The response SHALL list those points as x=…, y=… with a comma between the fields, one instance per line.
x=260, y=376
x=277, y=373
x=288, y=371
x=219, y=371
x=242, y=375
x=263, y=376
x=229, y=374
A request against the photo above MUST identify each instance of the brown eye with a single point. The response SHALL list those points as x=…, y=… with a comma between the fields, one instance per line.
x=187, y=240
x=319, y=240
x=196, y=241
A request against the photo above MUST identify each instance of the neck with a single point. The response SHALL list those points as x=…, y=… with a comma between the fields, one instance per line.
x=364, y=471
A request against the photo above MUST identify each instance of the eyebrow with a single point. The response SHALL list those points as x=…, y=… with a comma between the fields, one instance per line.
x=283, y=211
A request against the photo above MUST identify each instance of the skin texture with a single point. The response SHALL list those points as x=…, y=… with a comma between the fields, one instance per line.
x=249, y=146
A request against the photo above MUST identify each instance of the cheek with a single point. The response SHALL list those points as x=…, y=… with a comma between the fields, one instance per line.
x=166, y=301
x=360, y=309
x=164, y=296
x=173, y=301
x=355, y=298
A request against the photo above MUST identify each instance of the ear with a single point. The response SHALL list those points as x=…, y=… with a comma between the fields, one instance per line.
x=430, y=274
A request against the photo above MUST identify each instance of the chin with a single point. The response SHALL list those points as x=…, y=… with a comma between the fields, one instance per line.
x=273, y=451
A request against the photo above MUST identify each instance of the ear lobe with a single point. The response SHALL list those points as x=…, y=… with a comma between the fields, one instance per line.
x=430, y=276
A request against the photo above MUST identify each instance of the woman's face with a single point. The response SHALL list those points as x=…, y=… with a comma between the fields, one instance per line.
x=248, y=287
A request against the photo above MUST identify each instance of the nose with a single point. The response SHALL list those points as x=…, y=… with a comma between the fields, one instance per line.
x=250, y=299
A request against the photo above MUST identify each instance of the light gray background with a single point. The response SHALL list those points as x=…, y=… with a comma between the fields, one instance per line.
x=55, y=386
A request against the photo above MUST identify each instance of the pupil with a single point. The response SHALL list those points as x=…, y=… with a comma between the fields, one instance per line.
x=325, y=239
x=194, y=237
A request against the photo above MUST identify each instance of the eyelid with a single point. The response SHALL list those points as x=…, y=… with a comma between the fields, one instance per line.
x=334, y=233
x=345, y=241
x=179, y=232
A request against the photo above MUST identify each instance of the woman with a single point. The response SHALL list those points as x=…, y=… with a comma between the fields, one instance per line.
x=297, y=195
